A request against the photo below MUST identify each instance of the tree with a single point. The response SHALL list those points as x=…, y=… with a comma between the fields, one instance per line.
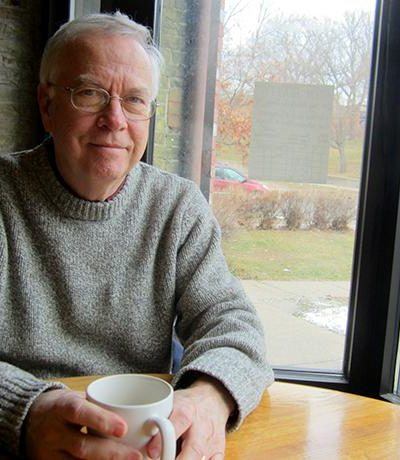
x=299, y=50
x=234, y=124
x=236, y=84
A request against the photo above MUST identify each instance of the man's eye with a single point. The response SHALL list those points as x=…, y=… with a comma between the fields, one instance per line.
x=134, y=100
x=87, y=92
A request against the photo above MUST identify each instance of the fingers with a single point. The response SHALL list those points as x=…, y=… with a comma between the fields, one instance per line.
x=215, y=457
x=73, y=408
x=200, y=427
x=202, y=435
x=154, y=447
x=181, y=418
x=88, y=447
x=191, y=450
x=198, y=446
x=54, y=430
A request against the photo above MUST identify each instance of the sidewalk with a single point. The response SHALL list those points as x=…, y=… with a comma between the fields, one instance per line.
x=291, y=340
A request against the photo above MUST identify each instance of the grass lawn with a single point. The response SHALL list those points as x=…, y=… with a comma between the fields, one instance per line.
x=353, y=150
x=290, y=255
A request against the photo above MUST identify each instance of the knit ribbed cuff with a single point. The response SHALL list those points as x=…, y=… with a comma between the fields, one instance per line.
x=18, y=394
x=245, y=384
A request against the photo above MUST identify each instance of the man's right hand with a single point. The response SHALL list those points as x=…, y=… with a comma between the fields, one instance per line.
x=53, y=429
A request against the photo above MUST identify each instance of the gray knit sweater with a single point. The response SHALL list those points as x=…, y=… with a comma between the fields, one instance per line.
x=95, y=288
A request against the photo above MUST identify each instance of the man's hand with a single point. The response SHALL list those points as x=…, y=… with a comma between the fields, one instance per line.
x=199, y=416
x=53, y=429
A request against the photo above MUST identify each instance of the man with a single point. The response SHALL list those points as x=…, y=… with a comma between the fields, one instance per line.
x=100, y=255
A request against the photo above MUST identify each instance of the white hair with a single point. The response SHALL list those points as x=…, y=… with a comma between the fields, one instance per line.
x=113, y=24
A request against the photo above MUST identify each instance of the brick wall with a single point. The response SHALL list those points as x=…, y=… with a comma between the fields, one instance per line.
x=168, y=122
x=20, y=43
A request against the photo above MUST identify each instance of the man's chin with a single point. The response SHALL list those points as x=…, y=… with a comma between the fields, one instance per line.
x=110, y=168
x=107, y=176
x=99, y=185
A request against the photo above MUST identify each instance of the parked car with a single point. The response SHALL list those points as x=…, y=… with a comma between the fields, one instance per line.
x=227, y=177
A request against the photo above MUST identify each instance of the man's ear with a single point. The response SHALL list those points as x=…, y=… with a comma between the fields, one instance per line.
x=43, y=97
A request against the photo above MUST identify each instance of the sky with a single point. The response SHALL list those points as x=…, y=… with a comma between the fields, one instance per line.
x=320, y=8
x=314, y=8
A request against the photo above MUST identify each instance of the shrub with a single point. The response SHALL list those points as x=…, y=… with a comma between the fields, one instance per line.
x=269, y=208
x=294, y=207
x=249, y=212
x=259, y=210
x=321, y=211
x=226, y=209
x=333, y=210
x=343, y=211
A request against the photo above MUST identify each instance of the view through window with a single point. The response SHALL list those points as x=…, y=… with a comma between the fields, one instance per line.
x=290, y=109
x=293, y=82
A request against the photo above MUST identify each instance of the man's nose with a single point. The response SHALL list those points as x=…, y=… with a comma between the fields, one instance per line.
x=112, y=116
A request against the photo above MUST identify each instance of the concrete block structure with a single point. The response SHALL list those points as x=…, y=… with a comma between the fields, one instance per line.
x=290, y=132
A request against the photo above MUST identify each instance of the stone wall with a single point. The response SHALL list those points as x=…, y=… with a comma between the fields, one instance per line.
x=20, y=48
x=167, y=139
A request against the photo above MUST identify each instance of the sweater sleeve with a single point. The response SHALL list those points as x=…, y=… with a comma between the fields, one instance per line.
x=18, y=390
x=219, y=328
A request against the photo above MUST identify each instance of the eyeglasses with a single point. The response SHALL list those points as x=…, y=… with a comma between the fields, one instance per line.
x=91, y=99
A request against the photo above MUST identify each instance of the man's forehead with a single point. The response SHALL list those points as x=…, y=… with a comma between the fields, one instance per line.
x=89, y=59
x=107, y=48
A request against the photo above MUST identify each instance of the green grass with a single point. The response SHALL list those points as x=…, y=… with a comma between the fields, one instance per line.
x=305, y=187
x=228, y=154
x=290, y=255
x=353, y=150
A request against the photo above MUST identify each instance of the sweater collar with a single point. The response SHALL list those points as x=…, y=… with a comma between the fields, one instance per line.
x=69, y=204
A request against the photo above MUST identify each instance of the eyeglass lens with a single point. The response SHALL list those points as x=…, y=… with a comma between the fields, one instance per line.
x=96, y=99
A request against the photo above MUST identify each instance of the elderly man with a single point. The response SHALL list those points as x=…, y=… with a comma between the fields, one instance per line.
x=101, y=255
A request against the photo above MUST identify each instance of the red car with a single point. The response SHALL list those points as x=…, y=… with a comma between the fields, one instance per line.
x=227, y=177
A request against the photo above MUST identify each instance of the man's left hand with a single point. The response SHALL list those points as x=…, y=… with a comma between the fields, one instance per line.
x=199, y=417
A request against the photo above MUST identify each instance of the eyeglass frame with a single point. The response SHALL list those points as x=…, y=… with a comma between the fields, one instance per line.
x=121, y=99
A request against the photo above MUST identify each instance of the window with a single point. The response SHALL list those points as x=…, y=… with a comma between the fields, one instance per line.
x=220, y=173
x=293, y=82
x=231, y=174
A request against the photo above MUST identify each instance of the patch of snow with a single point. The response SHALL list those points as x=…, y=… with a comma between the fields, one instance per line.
x=327, y=313
x=334, y=319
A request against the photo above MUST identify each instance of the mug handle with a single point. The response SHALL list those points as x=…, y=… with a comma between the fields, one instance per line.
x=167, y=431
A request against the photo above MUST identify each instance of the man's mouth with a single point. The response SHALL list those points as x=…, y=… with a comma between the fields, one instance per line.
x=108, y=146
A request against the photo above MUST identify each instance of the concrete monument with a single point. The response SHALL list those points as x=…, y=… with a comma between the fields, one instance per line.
x=290, y=132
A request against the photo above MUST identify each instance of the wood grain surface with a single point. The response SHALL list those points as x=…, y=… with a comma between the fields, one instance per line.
x=303, y=422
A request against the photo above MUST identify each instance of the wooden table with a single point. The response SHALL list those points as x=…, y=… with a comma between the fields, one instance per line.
x=303, y=422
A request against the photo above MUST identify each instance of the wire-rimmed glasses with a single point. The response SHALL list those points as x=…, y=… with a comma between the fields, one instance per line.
x=92, y=99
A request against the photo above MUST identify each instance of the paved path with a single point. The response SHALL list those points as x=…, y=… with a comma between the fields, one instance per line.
x=293, y=341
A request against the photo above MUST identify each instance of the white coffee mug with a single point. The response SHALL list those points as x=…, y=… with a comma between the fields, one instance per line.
x=144, y=402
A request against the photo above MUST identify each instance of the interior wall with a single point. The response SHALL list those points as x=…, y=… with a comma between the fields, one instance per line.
x=21, y=41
